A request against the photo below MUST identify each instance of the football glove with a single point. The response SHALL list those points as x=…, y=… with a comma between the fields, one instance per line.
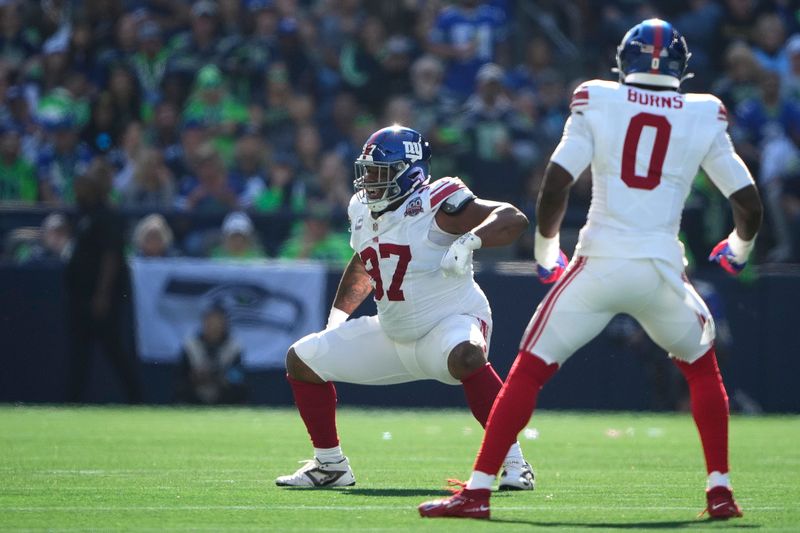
x=732, y=253
x=458, y=258
x=551, y=275
x=551, y=262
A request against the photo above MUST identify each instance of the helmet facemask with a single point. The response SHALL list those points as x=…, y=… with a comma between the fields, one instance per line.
x=376, y=183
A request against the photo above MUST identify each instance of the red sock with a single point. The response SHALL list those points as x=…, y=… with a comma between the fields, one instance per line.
x=512, y=410
x=481, y=388
x=709, y=408
x=317, y=405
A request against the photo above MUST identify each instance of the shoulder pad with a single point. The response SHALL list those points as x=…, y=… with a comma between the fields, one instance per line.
x=590, y=91
x=457, y=201
x=442, y=189
x=708, y=103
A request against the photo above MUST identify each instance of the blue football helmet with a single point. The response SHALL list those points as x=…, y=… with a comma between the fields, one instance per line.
x=653, y=53
x=393, y=162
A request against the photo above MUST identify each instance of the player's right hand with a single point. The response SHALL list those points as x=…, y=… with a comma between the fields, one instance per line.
x=552, y=274
x=727, y=259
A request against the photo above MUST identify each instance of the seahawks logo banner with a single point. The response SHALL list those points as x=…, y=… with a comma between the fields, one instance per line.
x=269, y=305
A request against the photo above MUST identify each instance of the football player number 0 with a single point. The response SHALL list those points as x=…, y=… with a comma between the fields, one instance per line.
x=370, y=258
x=654, y=167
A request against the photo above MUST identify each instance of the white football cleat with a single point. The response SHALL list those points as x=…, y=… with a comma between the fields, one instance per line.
x=517, y=477
x=316, y=474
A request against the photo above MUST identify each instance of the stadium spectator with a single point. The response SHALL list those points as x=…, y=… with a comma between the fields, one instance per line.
x=333, y=184
x=125, y=159
x=627, y=247
x=98, y=287
x=791, y=80
x=149, y=63
x=103, y=132
x=17, y=113
x=737, y=24
x=283, y=191
x=315, y=238
x=125, y=95
x=768, y=127
x=491, y=130
x=295, y=52
x=239, y=239
x=433, y=107
x=163, y=132
x=52, y=243
x=19, y=44
x=152, y=237
x=151, y=186
x=18, y=181
x=192, y=50
x=739, y=81
x=396, y=58
x=435, y=113
x=770, y=36
x=698, y=24
x=337, y=127
x=248, y=61
x=210, y=189
x=398, y=110
x=449, y=342
x=249, y=167
x=308, y=152
x=211, y=104
x=538, y=59
x=61, y=160
x=211, y=370
x=466, y=36
x=180, y=157
x=270, y=112
x=120, y=47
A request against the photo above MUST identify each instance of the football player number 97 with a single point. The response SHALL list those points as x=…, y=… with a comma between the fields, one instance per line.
x=656, y=164
x=370, y=258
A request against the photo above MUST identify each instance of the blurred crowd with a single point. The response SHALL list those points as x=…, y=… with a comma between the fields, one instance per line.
x=244, y=112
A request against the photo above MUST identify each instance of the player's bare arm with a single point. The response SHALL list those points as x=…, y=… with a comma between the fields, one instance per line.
x=747, y=211
x=354, y=286
x=552, y=201
x=495, y=223
x=732, y=253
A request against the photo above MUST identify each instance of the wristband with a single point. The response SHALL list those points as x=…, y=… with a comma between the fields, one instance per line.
x=741, y=248
x=546, y=250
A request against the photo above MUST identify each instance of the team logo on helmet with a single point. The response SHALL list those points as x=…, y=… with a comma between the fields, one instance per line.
x=392, y=164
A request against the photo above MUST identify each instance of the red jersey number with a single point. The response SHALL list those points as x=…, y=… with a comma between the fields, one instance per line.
x=372, y=265
x=656, y=164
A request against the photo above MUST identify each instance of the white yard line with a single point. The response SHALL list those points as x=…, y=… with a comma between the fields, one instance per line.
x=268, y=507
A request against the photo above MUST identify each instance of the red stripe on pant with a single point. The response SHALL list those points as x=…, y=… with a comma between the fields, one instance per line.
x=535, y=331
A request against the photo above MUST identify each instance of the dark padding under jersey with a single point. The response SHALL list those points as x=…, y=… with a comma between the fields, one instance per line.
x=457, y=201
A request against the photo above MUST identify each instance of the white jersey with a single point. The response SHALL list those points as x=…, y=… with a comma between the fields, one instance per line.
x=402, y=251
x=645, y=148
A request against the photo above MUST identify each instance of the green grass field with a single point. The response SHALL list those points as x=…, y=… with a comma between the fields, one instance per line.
x=65, y=469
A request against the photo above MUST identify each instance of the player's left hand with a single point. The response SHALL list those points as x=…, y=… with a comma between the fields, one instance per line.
x=458, y=258
x=728, y=260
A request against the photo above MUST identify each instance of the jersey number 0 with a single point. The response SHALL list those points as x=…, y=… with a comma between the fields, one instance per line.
x=656, y=164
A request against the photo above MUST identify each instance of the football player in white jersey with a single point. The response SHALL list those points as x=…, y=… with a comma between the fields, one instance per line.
x=413, y=243
x=645, y=141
